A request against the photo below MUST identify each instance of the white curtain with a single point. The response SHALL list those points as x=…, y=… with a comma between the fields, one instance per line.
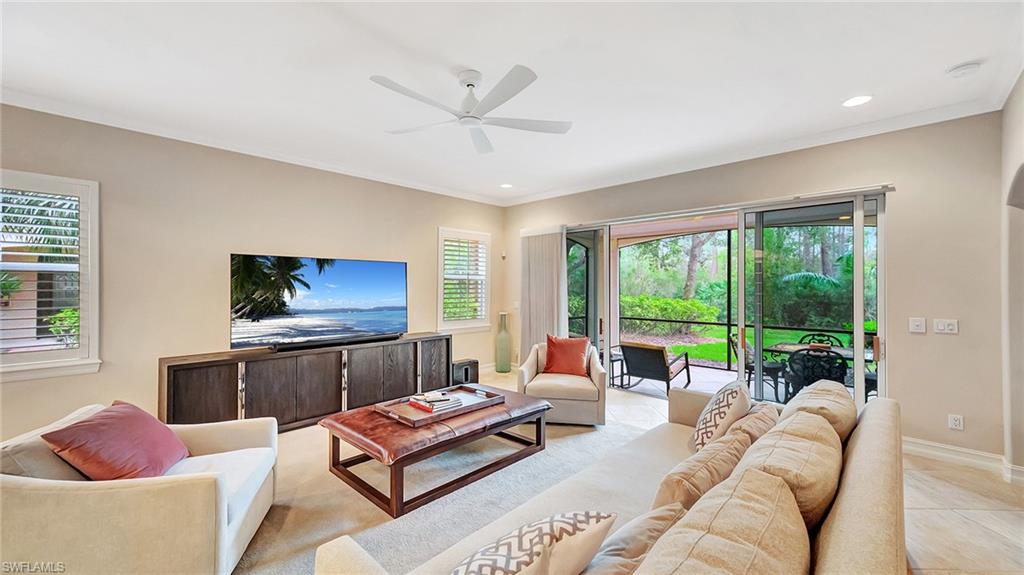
x=544, y=301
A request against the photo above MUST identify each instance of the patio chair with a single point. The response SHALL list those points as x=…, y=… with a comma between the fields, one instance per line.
x=822, y=338
x=772, y=369
x=807, y=366
x=646, y=361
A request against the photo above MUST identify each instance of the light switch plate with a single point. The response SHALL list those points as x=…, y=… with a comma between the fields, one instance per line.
x=947, y=326
x=918, y=325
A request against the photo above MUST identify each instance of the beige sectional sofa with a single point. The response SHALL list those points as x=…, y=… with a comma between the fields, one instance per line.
x=862, y=530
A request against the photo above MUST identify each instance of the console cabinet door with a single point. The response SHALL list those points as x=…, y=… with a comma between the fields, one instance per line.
x=436, y=363
x=365, y=376
x=399, y=370
x=317, y=385
x=203, y=394
x=270, y=389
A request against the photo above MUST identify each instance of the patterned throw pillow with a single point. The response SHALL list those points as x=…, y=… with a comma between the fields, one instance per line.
x=725, y=408
x=563, y=543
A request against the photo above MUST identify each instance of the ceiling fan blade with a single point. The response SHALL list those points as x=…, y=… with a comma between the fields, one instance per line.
x=480, y=140
x=517, y=79
x=422, y=128
x=392, y=85
x=547, y=126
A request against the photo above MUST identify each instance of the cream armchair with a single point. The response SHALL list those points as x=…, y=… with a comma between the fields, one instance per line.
x=198, y=518
x=575, y=399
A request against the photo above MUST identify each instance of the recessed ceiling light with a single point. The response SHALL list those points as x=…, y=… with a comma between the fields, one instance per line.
x=506, y=186
x=845, y=217
x=964, y=69
x=857, y=101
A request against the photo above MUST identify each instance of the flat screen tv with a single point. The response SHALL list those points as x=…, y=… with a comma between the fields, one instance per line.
x=283, y=301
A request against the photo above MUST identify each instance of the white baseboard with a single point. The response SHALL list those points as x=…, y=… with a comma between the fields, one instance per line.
x=1013, y=473
x=972, y=457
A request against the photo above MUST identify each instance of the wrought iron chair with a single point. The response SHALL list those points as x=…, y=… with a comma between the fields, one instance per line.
x=646, y=361
x=807, y=366
x=772, y=369
x=824, y=338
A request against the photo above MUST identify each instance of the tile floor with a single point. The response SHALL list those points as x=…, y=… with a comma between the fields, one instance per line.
x=959, y=519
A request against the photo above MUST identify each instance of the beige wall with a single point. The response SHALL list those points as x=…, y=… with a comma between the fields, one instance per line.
x=171, y=213
x=1013, y=230
x=943, y=251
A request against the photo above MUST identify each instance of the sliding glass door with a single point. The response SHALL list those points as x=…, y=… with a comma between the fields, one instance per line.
x=811, y=300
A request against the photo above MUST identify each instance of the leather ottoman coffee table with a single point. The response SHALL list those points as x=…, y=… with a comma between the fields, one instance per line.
x=397, y=445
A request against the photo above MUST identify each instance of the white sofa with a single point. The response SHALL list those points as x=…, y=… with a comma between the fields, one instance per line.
x=862, y=532
x=198, y=518
x=574, y=398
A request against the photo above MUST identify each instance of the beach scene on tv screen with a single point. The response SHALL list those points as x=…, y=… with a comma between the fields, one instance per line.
x=276, y=299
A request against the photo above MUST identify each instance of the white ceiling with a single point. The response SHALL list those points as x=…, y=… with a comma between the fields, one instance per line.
x=653, y=89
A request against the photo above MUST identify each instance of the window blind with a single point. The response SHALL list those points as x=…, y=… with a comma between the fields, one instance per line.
x=41, y=251
x=465, y=279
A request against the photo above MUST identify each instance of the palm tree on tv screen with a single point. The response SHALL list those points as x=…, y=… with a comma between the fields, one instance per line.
x=259, y=283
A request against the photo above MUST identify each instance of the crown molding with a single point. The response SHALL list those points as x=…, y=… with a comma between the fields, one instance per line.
x=761, y=150
x=58, y=107
x=662, y=169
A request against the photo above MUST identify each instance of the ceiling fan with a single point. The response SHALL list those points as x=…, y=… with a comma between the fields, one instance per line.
x=473, y=113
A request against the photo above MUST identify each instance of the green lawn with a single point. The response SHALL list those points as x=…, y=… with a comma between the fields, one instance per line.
x=715, y=352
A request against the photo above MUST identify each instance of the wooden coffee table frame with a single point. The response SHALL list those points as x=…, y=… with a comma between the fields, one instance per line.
x=396, y=505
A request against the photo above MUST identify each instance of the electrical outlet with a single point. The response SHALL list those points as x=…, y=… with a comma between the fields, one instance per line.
x=956, y=422
x=947, y=326
x=918, y=325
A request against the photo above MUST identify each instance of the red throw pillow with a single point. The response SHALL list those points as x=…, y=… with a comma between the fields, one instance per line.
x=120, y=442
x=567, y=355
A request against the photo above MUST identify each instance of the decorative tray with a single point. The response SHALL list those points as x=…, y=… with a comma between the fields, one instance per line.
x=472, y=399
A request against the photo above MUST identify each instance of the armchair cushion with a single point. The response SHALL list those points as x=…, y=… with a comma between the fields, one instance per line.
x=567, y=355
x=28, y=455
x=120, y=442
x=562, y=386
x=243, y=472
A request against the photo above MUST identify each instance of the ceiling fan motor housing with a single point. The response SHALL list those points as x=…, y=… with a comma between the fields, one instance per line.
x=470, y=78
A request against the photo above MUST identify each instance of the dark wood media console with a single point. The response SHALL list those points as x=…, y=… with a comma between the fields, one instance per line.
x=300, y=387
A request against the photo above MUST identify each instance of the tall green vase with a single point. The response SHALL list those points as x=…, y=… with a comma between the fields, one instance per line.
x=503, y=346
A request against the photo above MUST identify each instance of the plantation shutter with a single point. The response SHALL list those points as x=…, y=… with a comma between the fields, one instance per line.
x=41, y=271
x=464, y=272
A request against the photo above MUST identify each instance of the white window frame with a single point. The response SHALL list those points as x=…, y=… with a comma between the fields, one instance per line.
x=86, y=359
x=468, y=325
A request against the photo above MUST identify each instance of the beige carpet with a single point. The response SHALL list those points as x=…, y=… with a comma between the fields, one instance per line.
x=313, y=506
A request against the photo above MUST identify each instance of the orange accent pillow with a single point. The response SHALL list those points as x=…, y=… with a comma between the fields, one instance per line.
x=120, y=442
x=567, y=355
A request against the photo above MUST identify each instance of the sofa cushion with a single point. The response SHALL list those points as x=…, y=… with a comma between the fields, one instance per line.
x=567, y=355
x=697, y=474
x=623, y=552
x=758, y=421
x=242, y=473
x=725, y=407
x=804, y=451
x=563, y=543
x=648, y=458
x=119, y=442
x=748, y=524
x=28, y=455
x=562, y=386
x=830, y=400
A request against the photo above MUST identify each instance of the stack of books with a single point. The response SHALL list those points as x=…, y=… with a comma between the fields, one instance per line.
x=435, y=402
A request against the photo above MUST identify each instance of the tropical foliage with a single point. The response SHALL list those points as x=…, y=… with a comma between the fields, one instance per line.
x=9, y=283
x=65, y=325
x=664, y=308
x=259, y=284
x=806, y=285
